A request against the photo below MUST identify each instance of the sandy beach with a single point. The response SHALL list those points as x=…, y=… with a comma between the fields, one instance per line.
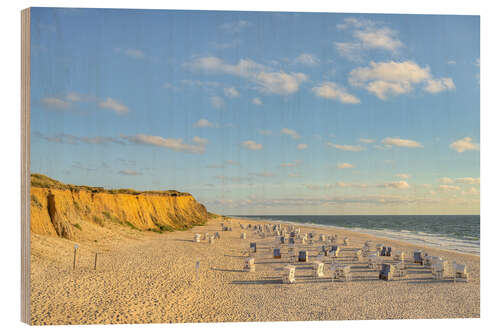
x=145, y=277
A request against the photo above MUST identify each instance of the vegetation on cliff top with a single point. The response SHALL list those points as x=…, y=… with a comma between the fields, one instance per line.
x=39, y=180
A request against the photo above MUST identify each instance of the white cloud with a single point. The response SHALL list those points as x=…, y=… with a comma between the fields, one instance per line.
x=345, y=166
x=402, y=175
x=345, y=147
x=368, y=35
x=291, y=164
x=451, y=62
x=134, y=53
x=435, y=86
x=366, y=140
x=217, y=102
x=113, y=105
x=290, y=132
x=471, y=190
x=231, y=92
x=235, y=26
x=266, y=80
x=257, y=101
x=446, y=180
x=464, y=145
x=252, y=145
x=449, y=188
x=389, y=142
x=265, y=132
x=261, y=174
x=331, y=90
x=56, y=103
x=129, y=172
x=302, y=146
x=398, y=185
x=203, y=123
x=468, y=180
x=385, y=79
x=307, y=59
x=73, y=97
x=174, y=144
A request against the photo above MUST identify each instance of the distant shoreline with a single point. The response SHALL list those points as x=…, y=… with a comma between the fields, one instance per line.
x=361, y=232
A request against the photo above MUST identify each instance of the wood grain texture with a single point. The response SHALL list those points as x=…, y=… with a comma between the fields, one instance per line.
x=25, y=166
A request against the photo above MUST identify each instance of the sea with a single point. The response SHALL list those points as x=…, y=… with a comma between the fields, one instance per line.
x=459, y=233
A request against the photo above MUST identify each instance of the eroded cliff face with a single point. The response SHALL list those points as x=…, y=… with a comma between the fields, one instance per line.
x=58, y=210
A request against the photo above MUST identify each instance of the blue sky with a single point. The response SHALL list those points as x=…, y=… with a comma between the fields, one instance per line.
x=262, y=113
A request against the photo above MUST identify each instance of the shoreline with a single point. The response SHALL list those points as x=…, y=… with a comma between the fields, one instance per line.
x=365, y=233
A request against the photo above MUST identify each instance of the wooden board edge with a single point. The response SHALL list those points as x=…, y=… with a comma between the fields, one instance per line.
x=25, y=167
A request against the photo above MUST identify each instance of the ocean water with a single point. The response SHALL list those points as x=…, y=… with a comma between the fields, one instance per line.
x=452, y=232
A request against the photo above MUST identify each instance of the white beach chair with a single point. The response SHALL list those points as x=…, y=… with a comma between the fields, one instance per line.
x=461, y=273
x=243, y=235
x=318, y=269
x=374, y=261
x=346, y=241
x=289, y=274
x=322, y=238
x=197, y=238
x=400, y=269
x=249, y=265
x=358, y=255
x=341, y=272
x=399, y=255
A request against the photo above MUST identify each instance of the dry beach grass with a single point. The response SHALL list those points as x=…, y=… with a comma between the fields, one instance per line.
x=144, y=277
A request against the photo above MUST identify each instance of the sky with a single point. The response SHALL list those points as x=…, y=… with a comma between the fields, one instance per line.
x=259, y=113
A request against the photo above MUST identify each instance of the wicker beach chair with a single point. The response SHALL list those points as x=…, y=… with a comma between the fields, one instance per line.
x=243, y=235
x=417, y=257
x=341, y=272
x=276, y=253
x=461, y=273
x=249, y=265
x=253, y=247
x=386, y=273
x=303, y=256
x=289, y=274
x=197, y=238
x=318, y=269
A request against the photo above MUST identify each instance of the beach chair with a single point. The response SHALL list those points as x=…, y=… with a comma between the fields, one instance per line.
x=382, y=253
x=386, y=273
x=335, y=250
x=346, y=241
x=289, y=274
x=341, y=272
x=358, y=256
x=197, y=238
x=311, y=235
x=282, y=239
x=318, y=269
x=243, y=235
x=400, y=269
x=461, y=273
x=322, y=238
x=249, y=265
x=374, y=262
x=241, y=226
x=399, y=255
x=388, y=251
x=443, y=269
x=211, y=239
x=291, y=240
x=417, y=258
x=276, y=253
x=379, y=248
x=253, y=247
x=303, y=256
x=217, y=235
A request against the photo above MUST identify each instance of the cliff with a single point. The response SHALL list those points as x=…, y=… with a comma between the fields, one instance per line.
x=59, y=209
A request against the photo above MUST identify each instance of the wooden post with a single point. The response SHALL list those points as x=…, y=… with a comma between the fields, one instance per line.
x=74, y=257
x=95, y=262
